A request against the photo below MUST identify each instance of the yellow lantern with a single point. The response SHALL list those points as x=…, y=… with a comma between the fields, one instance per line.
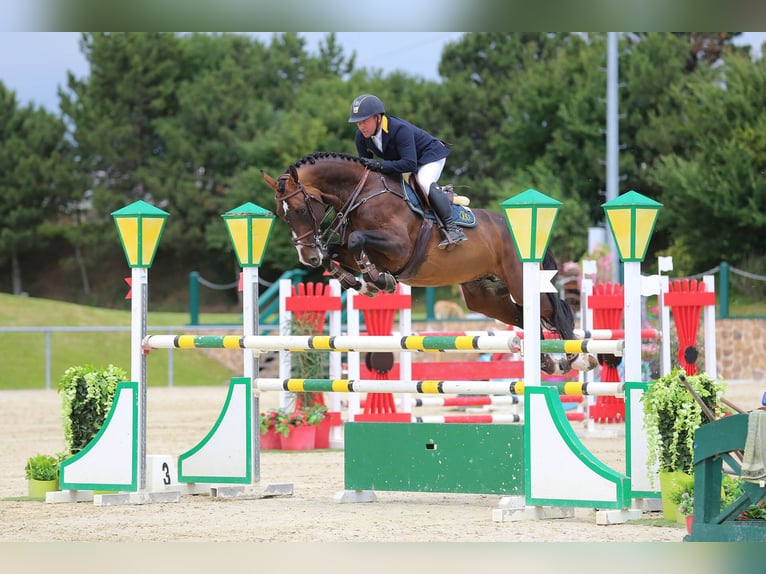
x=140, y=227
x=249, y=228
x=631, y=218
x=531, y=216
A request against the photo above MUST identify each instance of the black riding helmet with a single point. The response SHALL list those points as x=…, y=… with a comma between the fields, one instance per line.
x=365, y=106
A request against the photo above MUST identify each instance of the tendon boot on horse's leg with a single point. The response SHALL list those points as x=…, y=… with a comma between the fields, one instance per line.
x=439, y=201
x=347, y=280
x=383, y=281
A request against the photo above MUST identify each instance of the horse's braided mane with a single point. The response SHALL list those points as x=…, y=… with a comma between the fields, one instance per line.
x=312, y=158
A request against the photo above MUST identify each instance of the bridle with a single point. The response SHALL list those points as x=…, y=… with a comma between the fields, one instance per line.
x=338, y=225
x=314, y=233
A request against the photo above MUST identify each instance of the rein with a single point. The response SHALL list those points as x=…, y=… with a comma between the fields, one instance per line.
x=338, y=224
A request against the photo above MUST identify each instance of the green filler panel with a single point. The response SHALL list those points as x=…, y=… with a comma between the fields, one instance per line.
x=435, y=457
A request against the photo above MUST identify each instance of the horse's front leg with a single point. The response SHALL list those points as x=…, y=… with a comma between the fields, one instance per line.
x=330, y=261
x=374, y=279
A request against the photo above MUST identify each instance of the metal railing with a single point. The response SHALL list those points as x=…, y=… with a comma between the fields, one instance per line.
x=48, y=331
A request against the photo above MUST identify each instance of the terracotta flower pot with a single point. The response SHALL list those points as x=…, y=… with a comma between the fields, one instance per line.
x=299, y=438
x=270, y=440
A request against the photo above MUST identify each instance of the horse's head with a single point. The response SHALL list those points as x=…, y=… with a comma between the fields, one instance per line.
x=301, y=207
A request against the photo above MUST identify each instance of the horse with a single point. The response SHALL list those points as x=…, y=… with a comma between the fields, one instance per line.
x=352, y=221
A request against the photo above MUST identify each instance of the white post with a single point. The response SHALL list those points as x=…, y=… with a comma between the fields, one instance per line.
x=632, y=299
x=336, y=366
x=531, y=323
x=285, y=318
x=138, y=320
x=665, y=363
x=405, y=359
x=711, y=367
x=251, y=361
x=352, y=359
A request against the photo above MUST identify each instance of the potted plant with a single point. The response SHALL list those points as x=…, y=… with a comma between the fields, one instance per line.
x=298, y=429
x=42, y=474
x=671, y=416
x=268, y=422
x=683, y=498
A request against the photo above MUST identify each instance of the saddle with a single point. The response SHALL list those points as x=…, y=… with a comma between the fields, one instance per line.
x=415, y=199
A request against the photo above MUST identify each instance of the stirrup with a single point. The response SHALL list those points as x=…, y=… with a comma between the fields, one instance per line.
x=454, y=237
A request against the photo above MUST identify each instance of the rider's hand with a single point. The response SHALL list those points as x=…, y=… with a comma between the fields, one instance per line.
x=371, y=164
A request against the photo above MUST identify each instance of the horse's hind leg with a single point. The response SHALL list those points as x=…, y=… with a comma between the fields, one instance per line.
x=487, y=297
x=492, y=299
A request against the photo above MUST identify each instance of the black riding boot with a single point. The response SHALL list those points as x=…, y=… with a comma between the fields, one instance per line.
x=443, y=209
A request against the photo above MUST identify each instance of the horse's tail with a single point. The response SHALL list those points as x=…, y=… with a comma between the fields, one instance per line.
x=563, y=318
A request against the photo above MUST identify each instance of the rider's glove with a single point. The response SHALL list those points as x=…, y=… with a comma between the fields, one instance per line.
x=371, y=164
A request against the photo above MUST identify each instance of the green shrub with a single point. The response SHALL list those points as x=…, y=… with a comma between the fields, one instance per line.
x=86, y=397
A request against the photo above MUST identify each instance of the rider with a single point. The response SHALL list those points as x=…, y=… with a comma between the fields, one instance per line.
x=405, y=148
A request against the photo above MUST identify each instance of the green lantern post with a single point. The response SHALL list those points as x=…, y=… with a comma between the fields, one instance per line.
x=632, y=218
x=140, y=226
x=249, y=227
x=531, y=216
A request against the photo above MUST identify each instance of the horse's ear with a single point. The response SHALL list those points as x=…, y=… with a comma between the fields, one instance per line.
x=294, y=174
x=269, y=180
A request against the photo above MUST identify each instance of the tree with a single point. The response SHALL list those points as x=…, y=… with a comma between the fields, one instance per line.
x=34, y=182
x=714, y=194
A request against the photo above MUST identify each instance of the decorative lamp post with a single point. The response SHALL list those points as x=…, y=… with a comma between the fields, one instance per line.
x=249, y=228
x=530, y=216
x=631, y=218
x=140, y=227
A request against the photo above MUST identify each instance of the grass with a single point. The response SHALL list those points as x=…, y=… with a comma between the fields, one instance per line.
x=23, y=364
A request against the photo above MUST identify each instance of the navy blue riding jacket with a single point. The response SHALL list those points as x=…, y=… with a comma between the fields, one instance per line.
x=405, y=147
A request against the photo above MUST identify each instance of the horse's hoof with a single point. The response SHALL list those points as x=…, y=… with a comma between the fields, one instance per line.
x=369, y=290
x=585, y=363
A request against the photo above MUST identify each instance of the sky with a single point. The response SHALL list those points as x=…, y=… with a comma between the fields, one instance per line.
x=35, y=64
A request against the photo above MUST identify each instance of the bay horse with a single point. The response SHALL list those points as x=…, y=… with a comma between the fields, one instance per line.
x=354, y=221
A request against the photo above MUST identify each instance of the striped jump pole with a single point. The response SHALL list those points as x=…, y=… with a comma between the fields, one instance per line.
x=578, y=333
x=480, y=401
x=433, y=387
x=480, y=343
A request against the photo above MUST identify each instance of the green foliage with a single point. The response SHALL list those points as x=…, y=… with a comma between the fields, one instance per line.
x=86, y=397
x=671, y=415
x=732, y=490
x=42, y=467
